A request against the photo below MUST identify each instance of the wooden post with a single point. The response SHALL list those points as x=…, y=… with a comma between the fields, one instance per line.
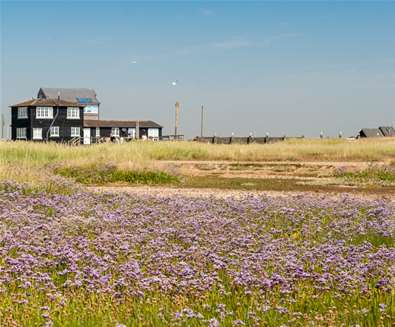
x=177, y=118
x=201, y=122
x=2, y=125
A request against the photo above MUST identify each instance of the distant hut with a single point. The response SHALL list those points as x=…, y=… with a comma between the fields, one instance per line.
x=388, y=131
x=370, y=132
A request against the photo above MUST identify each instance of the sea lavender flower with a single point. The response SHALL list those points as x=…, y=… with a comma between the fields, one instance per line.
x=213, y=322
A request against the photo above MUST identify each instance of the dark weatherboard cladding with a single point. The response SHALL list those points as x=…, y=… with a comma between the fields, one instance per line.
x=31, y=120
x=70, y=114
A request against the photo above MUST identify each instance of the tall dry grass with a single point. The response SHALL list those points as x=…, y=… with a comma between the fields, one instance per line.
x=295, y=150
x=30, y=161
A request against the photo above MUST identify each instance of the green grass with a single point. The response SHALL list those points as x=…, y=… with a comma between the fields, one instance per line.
x=275, y=184
x=100, y=175
x=373, y=174
x=80, y=308
x=375, y=239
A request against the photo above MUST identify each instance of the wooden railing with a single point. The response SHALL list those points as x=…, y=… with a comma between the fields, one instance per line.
x=75, y=141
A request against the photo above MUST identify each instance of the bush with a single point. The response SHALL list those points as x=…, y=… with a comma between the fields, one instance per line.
x=110, y=174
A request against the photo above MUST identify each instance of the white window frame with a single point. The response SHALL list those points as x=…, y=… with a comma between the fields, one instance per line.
x=97, y=133
x=21, y=133
x=37, y=134
x=54, y=131
x=22, y=112
x=74, y=133
x=73, y=113
x=153, y=133
x=44, y=112
x=115, y=132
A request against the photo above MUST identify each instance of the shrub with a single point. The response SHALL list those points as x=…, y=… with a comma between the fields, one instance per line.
x=110, y=174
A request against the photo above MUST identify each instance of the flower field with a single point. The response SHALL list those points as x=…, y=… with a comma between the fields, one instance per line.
x=90, y=259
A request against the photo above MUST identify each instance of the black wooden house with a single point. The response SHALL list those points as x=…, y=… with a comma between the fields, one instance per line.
x=128, y=129
x=72, y=115
x=46, y=119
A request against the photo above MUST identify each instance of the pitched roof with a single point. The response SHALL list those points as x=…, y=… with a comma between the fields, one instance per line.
x=81, y=95
x=46, y=103
x=121, y=123
x=387, y=130
x=370, y=132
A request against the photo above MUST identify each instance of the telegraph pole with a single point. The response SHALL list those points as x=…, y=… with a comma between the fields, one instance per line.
x=177, y=120
x=137, y=132
x=201, y=121
x=2, y=125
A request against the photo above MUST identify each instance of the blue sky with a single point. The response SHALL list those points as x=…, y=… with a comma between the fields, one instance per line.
x=279, y=67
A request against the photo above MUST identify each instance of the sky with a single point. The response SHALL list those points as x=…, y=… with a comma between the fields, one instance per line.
x=283, y=68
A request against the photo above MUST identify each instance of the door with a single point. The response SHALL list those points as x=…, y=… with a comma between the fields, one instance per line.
x=87, y=136
x=132, y=133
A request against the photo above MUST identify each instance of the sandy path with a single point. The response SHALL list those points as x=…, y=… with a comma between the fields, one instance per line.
x=306, y=170
x=221, y=193
x=285, y=162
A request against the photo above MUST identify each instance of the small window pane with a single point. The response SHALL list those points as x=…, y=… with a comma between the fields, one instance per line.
x=37, y=133
x=44, y=112
x=21, y=133
x=73, y=113
x=54, y=131
x=22, y=112
x=75, y=132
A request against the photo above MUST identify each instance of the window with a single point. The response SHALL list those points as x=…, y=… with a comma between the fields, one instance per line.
x=115, y=131
x=97, y=131
x=22, y=112
x=37, y=133
x=73, y=113
x=153, y=132
x=44, y=112
x=21, y=133
x=54, y=131
x=75, y=132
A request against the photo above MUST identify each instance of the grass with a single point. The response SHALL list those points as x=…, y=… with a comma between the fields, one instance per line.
x=139, y=162
x=370, y=175
x=100, y=175
x=82, y=309
x=276, y=184
x=293, y=150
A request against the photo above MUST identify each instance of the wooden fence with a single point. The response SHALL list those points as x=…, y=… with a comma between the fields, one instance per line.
x=241, y=140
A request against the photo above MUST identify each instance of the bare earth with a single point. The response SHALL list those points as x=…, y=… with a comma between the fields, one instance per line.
x=311, y=173
x=268, y=169
x=221, y=193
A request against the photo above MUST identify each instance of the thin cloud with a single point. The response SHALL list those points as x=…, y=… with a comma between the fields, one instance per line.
x=225, y=45
x=232, y=44
x=206, y=12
